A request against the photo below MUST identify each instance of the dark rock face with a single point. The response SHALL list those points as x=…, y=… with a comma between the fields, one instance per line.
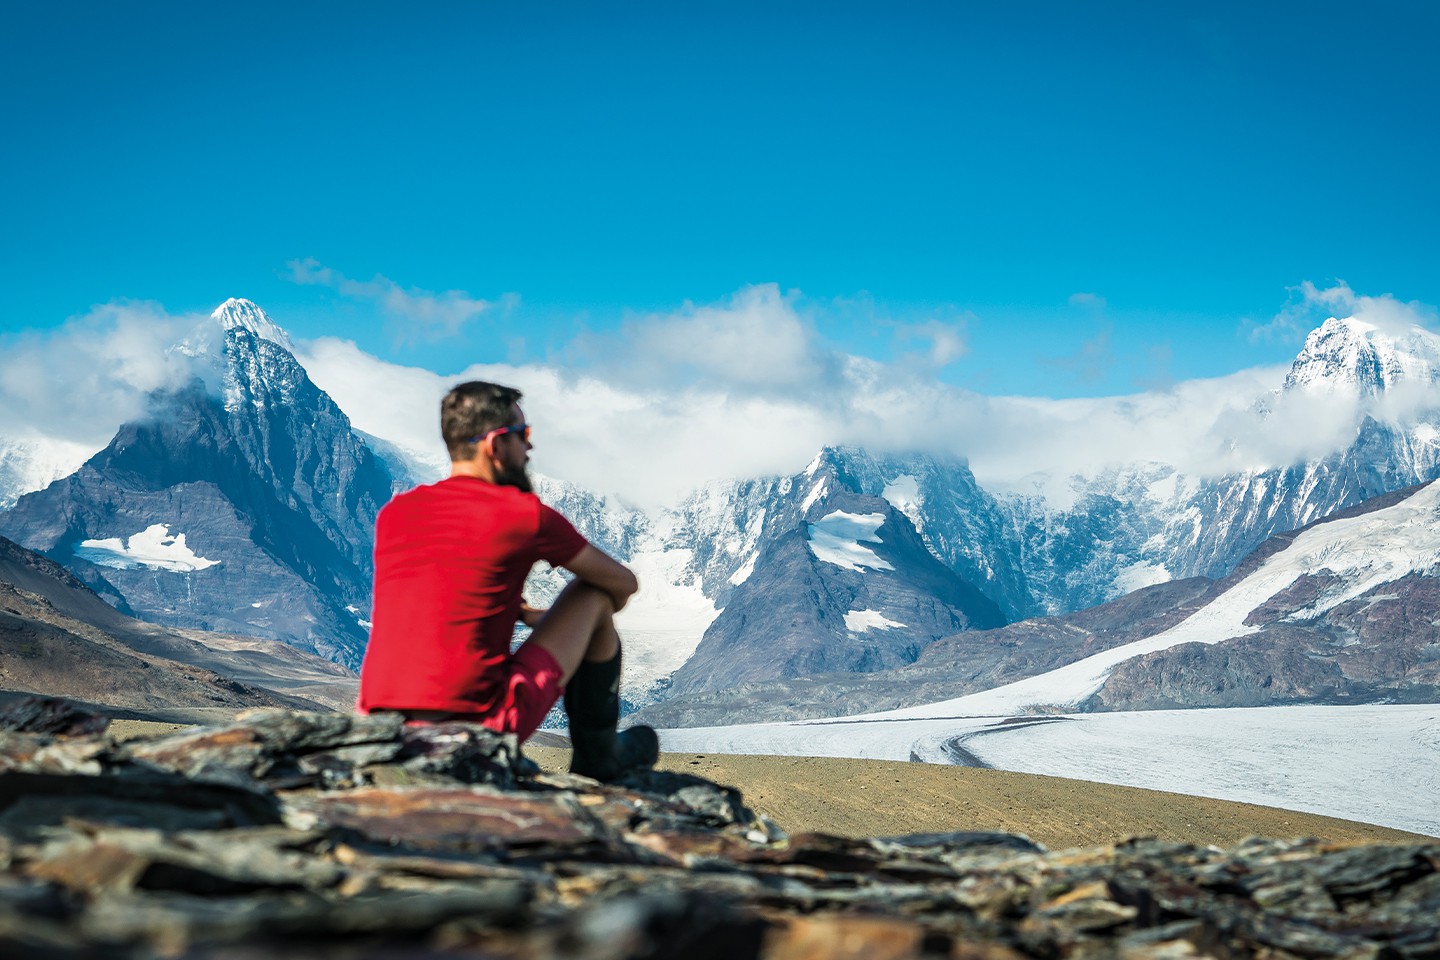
x=288, y=835
x=266, y=481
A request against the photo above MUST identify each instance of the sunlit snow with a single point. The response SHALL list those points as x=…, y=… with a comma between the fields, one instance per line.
x=816, y=492
x=858, y=621
x=1140, y=574
x=663, y=623
x=152, y=548
x=743, y=574
x=835, y=538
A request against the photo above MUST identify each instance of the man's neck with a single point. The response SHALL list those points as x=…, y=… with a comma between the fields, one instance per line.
x=478, y=469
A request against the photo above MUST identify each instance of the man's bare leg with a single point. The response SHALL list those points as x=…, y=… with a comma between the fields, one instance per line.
x=580, y=625
x=579, y=631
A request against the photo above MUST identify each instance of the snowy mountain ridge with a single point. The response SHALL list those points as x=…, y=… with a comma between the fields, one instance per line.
x=1354, y=356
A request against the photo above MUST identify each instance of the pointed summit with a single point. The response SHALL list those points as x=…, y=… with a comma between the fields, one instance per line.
x=1354, y=356
x=239, y=314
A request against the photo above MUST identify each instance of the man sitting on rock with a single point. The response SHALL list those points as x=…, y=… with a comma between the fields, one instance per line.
x=450, y=563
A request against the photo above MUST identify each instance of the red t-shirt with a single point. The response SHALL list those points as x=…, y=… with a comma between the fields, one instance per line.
x=450, y=561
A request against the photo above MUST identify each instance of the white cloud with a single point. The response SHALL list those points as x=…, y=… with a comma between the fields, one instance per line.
x=1312, y=305
x=947, y=339
x=741, y=388
x=1092, y=300
x=80, y=382
x=748, y=387
x=425, y=314
x=756, y=342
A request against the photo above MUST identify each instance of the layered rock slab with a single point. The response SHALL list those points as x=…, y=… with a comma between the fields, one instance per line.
x=288, y=834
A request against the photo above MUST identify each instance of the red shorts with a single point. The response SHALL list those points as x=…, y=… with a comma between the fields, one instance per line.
x=531, y=689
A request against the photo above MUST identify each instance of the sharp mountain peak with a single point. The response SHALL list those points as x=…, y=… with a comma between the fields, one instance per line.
x=239, y=314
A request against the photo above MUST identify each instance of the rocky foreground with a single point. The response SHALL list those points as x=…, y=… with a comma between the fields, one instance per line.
x=288, y=834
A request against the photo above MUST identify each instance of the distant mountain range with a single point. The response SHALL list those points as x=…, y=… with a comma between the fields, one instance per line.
x=247, y=505
x=1343, y=611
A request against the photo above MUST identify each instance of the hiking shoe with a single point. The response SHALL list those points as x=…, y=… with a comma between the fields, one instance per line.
x=606, y=755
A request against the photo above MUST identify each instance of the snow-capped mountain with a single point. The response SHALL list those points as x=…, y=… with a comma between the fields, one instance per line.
x=245, y=505
x=253, y=479
x=836, y=580
x=1361, y=359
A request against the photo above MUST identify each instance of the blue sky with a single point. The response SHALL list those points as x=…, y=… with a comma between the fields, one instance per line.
x=1083, y=199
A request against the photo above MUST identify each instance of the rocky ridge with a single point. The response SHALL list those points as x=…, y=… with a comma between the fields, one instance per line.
x=288, y=834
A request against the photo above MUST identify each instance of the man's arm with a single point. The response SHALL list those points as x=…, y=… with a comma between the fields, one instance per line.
x=599, y=569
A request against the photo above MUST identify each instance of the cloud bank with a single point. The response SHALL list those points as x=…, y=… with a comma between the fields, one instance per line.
x=750, y=387
x=745, y=387
x=80, y=382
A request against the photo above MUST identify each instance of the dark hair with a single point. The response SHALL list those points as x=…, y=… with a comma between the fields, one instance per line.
x=472, y=410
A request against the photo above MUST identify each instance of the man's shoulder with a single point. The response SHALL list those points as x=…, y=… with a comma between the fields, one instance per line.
x=467, y=491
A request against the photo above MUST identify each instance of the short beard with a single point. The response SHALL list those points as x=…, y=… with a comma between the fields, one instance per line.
x=517, y=478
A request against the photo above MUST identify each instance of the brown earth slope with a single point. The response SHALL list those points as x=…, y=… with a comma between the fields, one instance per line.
x=874, y=798
x=58, y=638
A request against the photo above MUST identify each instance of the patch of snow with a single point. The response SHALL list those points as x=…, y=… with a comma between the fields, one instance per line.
x=743, y=574
x=816, y=492
x=858, y=621
x=903, y=493
x=152, y=548
x=1140, y=574
x=355, y=612
x=836, y=537
x=814, y=464
x=238, y=314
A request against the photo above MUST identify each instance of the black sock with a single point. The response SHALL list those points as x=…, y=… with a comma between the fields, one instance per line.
x=592, y=697
x=592, y=703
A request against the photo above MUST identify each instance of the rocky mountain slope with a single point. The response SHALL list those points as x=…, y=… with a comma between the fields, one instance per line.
x=838, y=580
x=244, y=505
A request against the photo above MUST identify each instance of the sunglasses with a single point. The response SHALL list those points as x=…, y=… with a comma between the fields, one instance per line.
x=521, y=428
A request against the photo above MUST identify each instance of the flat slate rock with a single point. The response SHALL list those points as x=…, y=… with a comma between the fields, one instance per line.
x=288, y=834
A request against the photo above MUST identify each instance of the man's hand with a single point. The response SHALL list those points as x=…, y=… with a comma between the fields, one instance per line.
x=531, y=616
